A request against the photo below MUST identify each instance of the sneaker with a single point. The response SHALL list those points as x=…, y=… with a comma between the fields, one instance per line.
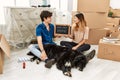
x=30, y=54
x=90, y=55
x=49, y=63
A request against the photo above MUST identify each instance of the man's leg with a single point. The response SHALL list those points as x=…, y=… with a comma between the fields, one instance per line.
x=34, y=49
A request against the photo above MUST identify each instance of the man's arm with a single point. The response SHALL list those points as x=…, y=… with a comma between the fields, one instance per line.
x=43, y=55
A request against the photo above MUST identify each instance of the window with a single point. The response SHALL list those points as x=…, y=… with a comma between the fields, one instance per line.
x=55, y=4
x=11, y=3
x=59, y=4
x=4, y=3
x=63, y=5
x=22, y=3
x=35, y=2
x=115, y=4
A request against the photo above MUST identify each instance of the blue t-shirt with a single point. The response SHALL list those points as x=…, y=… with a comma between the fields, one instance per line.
x=47, y=36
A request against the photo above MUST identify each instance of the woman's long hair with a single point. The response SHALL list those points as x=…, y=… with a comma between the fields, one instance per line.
x=82, y=24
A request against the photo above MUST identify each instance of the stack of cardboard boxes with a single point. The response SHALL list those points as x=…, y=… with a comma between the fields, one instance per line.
x=4, y=49
x=95, y=13
x=109, y=49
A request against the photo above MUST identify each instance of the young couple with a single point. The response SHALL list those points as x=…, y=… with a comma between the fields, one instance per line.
x=45, y=34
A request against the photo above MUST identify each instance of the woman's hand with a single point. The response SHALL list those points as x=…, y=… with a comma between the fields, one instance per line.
x=74, y=48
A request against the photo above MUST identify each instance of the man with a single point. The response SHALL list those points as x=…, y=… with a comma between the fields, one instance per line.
x=44, y=33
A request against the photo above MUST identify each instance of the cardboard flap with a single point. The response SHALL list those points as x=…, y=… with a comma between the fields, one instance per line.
x=4, y=45
x=116, y=34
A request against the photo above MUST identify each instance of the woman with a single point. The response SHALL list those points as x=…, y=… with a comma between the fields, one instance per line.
x=79, y=33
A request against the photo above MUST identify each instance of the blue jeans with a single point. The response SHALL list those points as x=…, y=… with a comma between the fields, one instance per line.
x=34, y=49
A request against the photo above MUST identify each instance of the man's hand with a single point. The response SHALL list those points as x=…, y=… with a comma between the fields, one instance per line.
x=43, y=55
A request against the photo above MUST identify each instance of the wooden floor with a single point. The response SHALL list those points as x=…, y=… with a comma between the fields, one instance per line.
x=96, y=69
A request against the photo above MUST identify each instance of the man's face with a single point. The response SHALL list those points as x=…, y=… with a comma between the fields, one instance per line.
x=48, y=20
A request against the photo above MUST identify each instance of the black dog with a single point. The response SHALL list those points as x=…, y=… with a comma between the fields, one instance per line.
x=64, y=57
x=71, y=59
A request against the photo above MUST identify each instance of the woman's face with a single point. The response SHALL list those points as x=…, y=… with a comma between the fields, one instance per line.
x=76, y=20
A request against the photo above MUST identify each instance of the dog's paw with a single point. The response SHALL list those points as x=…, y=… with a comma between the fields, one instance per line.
x=37, y=61
x=80, y=69
x=32, y=59
x=67, y=74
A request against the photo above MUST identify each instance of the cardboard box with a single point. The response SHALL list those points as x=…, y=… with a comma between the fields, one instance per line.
x=94, y=20
x=113, y=21
x=111, y=27
x=110, y=51
x=115, y=34
x=116, y=12
x=93, y=5
x=96, y=34
x=4, y=49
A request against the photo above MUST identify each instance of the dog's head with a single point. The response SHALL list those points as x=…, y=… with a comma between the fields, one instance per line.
x=79, y=62
x=67, y=70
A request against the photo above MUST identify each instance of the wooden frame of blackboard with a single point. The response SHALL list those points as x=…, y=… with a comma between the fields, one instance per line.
x=60, y=26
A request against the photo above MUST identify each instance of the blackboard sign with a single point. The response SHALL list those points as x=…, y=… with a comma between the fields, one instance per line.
x=62, y=30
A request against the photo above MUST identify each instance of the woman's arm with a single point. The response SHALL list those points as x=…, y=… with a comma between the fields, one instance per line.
x=79, y=44
x=85, y=38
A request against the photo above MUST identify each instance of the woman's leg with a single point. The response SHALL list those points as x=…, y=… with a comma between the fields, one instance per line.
x=68, y=44
x=83, y=48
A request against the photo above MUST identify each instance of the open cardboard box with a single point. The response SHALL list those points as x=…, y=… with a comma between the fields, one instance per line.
x=108, y=50
x=4, y=49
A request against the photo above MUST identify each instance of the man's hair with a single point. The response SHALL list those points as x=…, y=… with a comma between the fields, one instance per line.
x=45, y=14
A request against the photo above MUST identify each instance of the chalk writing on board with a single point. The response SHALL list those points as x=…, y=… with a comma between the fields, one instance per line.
x=62, y=29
